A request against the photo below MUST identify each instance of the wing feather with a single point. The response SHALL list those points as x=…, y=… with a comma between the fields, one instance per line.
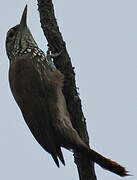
x=30, y=85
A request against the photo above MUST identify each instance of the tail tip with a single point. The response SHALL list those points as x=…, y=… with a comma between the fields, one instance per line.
x=121, y=171
x=126, y=173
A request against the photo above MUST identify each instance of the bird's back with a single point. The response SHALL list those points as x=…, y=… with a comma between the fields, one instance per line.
x=28, y=82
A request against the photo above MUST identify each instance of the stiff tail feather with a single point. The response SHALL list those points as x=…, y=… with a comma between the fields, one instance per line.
x=104, y=162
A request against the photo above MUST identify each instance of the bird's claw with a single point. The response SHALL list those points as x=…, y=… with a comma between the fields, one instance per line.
x=50, y=56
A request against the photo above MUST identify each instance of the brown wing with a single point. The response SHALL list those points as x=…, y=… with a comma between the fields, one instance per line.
x=29, y=81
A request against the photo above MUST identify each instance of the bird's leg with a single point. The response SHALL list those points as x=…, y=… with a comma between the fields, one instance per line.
x=50, y=56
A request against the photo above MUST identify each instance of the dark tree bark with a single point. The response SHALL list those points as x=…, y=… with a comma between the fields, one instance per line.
x=63, y=63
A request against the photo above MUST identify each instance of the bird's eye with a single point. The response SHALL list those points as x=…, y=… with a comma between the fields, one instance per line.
x=11, y=34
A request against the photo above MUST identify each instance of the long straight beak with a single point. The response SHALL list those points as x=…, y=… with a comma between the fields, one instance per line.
x=23, y=22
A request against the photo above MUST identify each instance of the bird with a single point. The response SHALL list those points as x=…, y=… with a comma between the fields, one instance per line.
x=36, y=85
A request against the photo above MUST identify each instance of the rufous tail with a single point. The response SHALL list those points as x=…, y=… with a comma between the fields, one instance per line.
x=104, y=162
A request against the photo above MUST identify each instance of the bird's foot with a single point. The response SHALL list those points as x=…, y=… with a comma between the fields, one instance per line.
x=50, y=55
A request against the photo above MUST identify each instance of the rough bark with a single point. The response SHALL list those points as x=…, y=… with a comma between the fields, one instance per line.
x=63, y=63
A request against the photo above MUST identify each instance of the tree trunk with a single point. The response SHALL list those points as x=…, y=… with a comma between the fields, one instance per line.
x=63, y=63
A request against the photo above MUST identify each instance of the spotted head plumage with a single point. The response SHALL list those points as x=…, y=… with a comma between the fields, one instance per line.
x=19, y=38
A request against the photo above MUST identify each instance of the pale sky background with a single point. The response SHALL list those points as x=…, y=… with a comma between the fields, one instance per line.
x=101, y=37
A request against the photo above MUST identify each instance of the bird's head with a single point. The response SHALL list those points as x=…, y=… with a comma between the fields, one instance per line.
x=19, y=38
